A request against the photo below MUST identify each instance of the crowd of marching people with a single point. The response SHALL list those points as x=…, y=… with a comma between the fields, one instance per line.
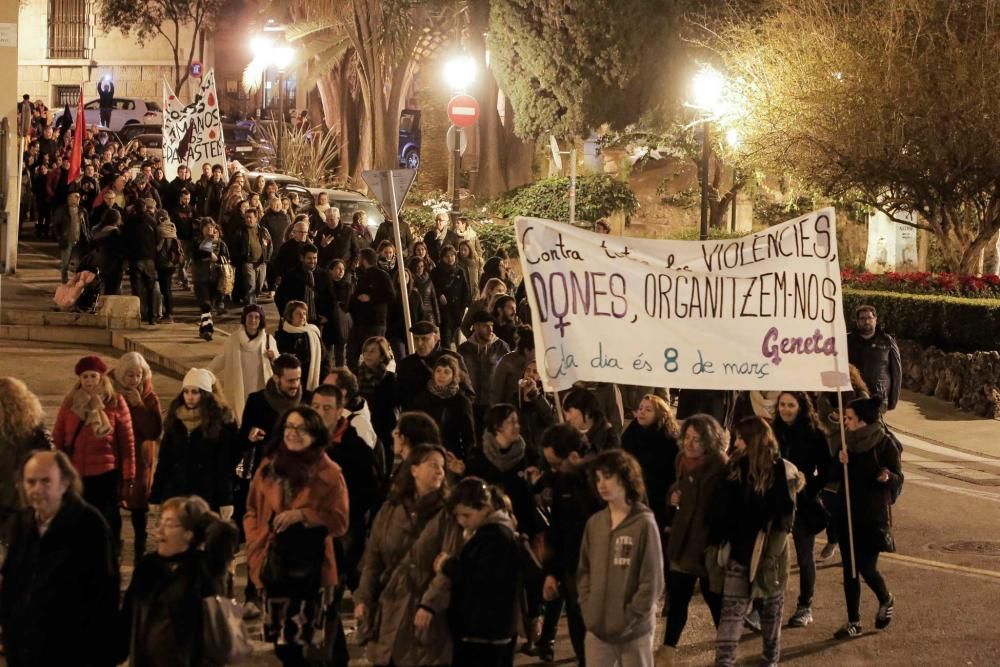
x=461, y=508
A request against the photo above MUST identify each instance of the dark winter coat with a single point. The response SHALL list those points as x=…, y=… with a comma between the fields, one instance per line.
x=428, y=298
x=262, y=410
x=434, y=246
x=869, y=450
x=13, y=454
x=453, y=417
x=877, y=358
x=140, y=237
x=384, y=233
x=689, y=531
x=357, y=463
x=276, y=223
x=60, y=590
x=535, y=414
x=376, y=283
x=449, y=281
x=295, y=287
x=194, y=464
x=807, y=449
x=601, y=437
x=381, y=401
x=414, y=372
x=338, y=317
x=572, y=502
x=343, y=244
x=481, y=360
x=299, y=346
x=485, y=578
x=656, y=450
x=513, y=483
x=239, y=243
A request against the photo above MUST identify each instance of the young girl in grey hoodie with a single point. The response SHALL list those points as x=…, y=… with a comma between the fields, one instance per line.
x=620, y=576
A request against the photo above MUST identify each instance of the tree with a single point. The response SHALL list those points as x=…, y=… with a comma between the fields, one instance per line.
x=571, y=66
x=148, y=19
x=890, y=104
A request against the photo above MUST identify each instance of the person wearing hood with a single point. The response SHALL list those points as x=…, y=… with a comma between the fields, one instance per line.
x=502, y=461
x=753, y=513
x=875, y=478
x=169, y=258
x=485, y=577
x=163, y=612
x=481, y=353
x=244, y=365
x=297, y=506
x=199, y=440
x=802, y=441
x=444, y=401
x=133, y=379
x=94, y=429
x=620, y=576
x=296, y=336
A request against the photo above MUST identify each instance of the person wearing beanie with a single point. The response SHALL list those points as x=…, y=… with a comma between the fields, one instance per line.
x=199, y=442
x=94, y=429
x=133, y=379
x=875, y=477
x=244, y=365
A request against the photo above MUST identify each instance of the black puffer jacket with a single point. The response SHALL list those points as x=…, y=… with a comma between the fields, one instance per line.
x=877, y=358
x=194, y=464
x=656, y=450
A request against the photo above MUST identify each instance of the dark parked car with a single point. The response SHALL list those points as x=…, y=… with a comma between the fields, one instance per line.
x=409, y=139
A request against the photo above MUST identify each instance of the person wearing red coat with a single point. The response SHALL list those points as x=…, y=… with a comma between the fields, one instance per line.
x=298, y=500
x=133, y=379
x=94, y=429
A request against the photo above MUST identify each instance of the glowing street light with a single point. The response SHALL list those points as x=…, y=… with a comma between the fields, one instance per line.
x=707, y=87
x=460, y=72
x=274, y=52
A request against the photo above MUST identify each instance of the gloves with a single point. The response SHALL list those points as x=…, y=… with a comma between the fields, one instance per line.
x=226, y=512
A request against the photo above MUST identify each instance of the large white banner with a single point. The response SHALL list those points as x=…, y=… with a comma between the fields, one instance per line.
x=759, y=312
x=192, y=134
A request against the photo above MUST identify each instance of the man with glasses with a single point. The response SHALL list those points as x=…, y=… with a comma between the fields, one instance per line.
x=876, y=356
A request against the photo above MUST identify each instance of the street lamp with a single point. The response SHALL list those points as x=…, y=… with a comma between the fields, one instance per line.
x=459, y=73
x=277, y=53
x=706, y=91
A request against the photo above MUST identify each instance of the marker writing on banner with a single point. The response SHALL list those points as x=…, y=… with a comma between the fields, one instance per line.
x=773, y=346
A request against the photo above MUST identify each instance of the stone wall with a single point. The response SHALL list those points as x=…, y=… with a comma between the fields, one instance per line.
x=971, y=381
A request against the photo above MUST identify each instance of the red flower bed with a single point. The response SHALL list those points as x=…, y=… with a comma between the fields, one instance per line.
x=945, y=284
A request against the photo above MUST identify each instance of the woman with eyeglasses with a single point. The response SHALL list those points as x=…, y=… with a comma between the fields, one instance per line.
x=296, y=506
x=162, y=616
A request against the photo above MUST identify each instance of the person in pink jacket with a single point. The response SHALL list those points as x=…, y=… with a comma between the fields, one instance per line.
x=94, y=429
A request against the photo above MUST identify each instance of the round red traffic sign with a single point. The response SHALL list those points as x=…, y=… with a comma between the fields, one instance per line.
x=463, y=110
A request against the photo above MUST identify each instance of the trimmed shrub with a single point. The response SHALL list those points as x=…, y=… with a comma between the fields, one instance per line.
x=953, y=324
x=596, y=197
x=923, y=282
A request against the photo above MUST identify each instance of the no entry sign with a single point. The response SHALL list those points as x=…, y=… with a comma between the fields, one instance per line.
x=463, y=110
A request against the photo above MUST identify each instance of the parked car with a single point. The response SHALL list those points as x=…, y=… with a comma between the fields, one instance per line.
x=241, y=146
x=152, y=142
x=132, y=131
x=409, y=139
x=126, y=111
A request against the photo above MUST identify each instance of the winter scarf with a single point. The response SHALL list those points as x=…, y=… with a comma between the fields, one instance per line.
x=279, y=401
x=687, y=464
x=228, y=365
x=442, y=392
x=387, y=265
x=90, y=408
x=321, y=210
x=190, y=417
x=369, y=378
x=358, y=228
x=315, y=351
x=296, y=468
x=502, y=459
x=764, y=403
x=166, y=230
x=865, y=438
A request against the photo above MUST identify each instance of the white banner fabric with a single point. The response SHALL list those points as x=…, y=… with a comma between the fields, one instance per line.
x=763, y=311
x=192, y=134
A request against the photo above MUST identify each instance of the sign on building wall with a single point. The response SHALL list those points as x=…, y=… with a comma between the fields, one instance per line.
x=892, y=246
x=192, y=134
x=759, y=312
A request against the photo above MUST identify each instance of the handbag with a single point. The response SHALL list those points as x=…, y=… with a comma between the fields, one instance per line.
x=293, y=565
x=224, y=636
x=813, y=516
x=227, y=276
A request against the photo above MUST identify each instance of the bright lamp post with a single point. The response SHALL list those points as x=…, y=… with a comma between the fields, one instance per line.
x=459, y=73
x=275, y=52
x=706, y=91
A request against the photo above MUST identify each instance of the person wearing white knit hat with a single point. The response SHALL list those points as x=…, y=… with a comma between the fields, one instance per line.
x=199, y=436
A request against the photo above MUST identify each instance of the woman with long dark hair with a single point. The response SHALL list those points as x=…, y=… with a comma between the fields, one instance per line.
x=400, y=603
x=296, y=506
x=199, y=441
x=443, y=400
x=652, y=439
x=802, y=440
x=753, y=514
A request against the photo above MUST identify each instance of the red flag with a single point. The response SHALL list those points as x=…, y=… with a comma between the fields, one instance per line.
x=76, y=155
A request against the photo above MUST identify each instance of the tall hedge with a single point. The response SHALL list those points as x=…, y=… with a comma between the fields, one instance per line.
x=953, y=324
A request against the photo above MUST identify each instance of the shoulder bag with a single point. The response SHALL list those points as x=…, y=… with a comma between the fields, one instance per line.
x=293, y=566
x=225, y=637
x=227, y=276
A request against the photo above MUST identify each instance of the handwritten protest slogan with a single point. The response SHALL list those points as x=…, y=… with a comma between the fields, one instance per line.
x=192, y=134
x=759, y=312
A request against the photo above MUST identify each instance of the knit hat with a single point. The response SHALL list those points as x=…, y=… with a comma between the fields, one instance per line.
x=252, y=308
x=868, y=410
x=90, y=363
x=199, y=378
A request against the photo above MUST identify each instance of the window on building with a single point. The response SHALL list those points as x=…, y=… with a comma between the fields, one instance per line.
x=67, y=95
x=68, y=28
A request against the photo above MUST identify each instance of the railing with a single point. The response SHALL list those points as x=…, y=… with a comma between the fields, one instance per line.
x=68, y=28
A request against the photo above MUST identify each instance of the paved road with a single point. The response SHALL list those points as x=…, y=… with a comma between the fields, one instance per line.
x=946, y=576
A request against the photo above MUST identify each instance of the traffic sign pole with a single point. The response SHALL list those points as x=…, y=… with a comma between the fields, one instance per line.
x=456, y=162
x=404, y=294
